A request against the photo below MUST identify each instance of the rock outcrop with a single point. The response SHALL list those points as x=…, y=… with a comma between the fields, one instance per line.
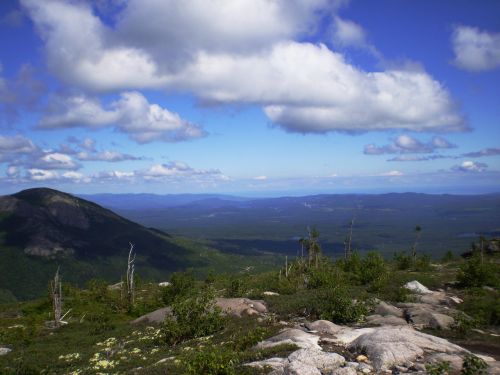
x=155, y=317
x=241, y=306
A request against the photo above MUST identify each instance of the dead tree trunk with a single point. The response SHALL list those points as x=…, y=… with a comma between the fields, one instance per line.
x=130, y=275
x=56, y=290
x=350, y=239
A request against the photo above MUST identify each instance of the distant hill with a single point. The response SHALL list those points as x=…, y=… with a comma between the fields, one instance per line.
x=41, y=229
x=383, y=222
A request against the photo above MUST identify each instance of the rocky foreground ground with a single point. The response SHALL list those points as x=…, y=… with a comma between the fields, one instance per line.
x=389, y=342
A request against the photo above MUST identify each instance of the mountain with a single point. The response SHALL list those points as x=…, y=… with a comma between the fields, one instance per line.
x=383, y=222
x=41, y=229
x=156, y=201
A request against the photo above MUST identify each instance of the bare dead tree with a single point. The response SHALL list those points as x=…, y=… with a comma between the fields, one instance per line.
x=418, y=230
x=482, y=239
x=348, y=252
x=286, y=266
x=56, y=290
x=130, y=275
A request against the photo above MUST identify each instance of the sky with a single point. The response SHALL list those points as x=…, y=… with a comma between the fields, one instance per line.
x=250, y=97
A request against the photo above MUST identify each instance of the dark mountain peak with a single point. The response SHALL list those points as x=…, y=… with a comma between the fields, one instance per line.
x=50, y=223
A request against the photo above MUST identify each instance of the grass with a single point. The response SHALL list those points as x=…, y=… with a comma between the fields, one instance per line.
x=100, y=338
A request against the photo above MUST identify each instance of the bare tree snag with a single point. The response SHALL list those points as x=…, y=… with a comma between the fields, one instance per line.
x=350, y=239
x=56, y=290
x=130, y=275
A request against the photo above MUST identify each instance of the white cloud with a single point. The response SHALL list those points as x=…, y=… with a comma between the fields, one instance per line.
x=392, y=174
x=249, y=58
x=406, y=144
x=12, y=171
x=470, y=166
x=55, y=160
x=108, y=156
x=132, y=114
x=17, y=144
x=88, y=144
x=476, y=50
x=348, y=33
x=176, y=169
x=483, y=153
x=22, y=92
x=260, y=178
x=36, y=174
x=418, y=158
x=76, y=177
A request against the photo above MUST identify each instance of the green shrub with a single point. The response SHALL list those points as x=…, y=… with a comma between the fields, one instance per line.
x=477, y=272
x=236, y=287
x=100, y=322
x=473, y=365
x=211, y=361
x=194, y=316
x=448, y=257
x=352, y=266
x=402, y=261
x=422, y=263
x=483, y=306
x=323, y=277
x=373, y=270
x=333, y=304
x=336, y=305
x=440, y=368
x=182, y=283
x=464, y=323
x=98, y=290
x=244, y=342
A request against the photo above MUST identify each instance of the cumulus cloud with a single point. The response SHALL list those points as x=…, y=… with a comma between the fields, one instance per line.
x=16, y=144
x=176, y=169
x=171, y=172
x=109, y=156
x=418, y=158
x=302, y=87
x=347, y=33
x=36, y=174
x=482, y=153
x=392, y=174
x=22, y=92
x=469, y=166
x=132, y=114
x=55, y=160
x=12, y=172
x=406, y=144
x=476, y=50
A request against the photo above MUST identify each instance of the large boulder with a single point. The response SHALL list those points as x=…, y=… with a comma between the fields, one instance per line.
x=300, y=368
x=155, y=317
x=390, y=346
x=323, y=327
x=388, y=320
x=321, y=360
x=384, y=309
x=291, y=336
x=309, y=360
x=427, y=316
x=345, y=371
x=433, y=298
x=415, y=287
x=241, y=306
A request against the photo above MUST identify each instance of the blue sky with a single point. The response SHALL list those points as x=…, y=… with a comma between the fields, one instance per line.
x=254, y=97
